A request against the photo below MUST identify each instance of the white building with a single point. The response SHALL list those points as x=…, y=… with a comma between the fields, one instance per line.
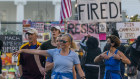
x=36, y=10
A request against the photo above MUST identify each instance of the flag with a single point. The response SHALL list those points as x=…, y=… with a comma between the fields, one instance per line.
x=66, y=9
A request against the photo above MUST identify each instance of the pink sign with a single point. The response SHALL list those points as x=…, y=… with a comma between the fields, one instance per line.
x=78, y=31
x=102, y=36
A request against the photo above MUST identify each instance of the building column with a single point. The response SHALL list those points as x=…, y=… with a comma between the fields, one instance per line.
x=20, y=14
x=57, y=5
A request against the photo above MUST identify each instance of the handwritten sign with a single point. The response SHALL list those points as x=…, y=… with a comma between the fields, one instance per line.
x=128, y=30
x=11, y=43
x=78, y=31
x=90, y=11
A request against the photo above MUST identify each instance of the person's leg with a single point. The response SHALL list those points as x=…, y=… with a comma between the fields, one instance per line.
x=91, y=72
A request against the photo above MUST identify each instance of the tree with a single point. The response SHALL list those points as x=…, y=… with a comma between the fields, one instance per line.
x=135, y=18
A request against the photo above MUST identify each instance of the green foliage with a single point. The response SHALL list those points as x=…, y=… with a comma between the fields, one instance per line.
x=135, y=18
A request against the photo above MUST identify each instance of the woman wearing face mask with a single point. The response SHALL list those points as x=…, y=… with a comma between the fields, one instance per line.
x=112, y=59
x=64, y=59
x=121, y=48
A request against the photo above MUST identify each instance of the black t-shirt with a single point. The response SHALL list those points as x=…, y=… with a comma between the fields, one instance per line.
x=45, y=46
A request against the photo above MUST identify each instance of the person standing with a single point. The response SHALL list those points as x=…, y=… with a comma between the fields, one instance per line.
x=27, y=66
x=133, y=52
x=92, y=50
x=120, y=48
x=50, y=44
x=113, y=57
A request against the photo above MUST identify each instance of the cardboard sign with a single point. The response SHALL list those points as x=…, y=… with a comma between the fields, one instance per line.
x=90, y=11
x=78, y=31
x=128, y=30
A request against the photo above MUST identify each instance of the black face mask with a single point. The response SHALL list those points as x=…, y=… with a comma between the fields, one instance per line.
x=108, y=45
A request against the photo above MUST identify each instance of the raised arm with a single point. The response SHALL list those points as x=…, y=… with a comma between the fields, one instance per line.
x=83, y=46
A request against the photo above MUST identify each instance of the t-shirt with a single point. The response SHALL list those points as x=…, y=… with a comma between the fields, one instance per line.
x=29, y=67
x=45, y=46
x=63, y=63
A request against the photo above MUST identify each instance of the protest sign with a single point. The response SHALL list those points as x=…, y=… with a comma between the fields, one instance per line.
x=102, y=36
x=90, y=11
x=39, y=26
x=11, y=43
x=102, y=27
x=128, y=30
x=78, y=31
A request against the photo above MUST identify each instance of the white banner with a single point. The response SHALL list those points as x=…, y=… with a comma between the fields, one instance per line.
x=90, y=11
x=128, y=30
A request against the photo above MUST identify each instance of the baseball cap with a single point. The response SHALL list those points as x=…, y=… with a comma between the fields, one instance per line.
x=56, y=27
x=32, y=30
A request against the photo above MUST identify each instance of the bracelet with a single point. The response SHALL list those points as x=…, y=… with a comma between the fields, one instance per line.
x=83, y=77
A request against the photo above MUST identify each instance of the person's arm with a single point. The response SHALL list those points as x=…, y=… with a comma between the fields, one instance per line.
x=48, y=66
x=83, y=46
x=74, y=73
x=80, y=71
x=41, y=68
x=101, y=57
x=122, y=57
x=33, y=51
x=20, y=70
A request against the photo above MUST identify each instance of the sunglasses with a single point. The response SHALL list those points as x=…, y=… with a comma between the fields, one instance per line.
x=63, y=41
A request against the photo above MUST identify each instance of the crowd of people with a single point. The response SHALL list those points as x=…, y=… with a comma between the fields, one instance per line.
x=57, y=59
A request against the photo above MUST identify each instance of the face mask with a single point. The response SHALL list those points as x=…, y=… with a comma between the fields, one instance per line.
x=108, y=45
